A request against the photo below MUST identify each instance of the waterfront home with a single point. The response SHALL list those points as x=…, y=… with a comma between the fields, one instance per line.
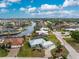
x=40, y=42
x=42, y=31
x=15, y=42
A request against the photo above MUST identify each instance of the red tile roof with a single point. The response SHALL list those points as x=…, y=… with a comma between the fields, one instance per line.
x=15, y=41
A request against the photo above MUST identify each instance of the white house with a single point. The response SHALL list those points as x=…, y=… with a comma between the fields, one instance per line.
x=42, y=42
x=48, y=44
x=42, y=31
x=35, y=42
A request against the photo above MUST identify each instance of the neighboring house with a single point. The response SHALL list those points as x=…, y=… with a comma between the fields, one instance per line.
x=42, y=31
x=45, y=29
x=41, y=43
x=16, y=42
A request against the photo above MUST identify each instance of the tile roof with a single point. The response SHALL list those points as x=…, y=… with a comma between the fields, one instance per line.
x=15, y=41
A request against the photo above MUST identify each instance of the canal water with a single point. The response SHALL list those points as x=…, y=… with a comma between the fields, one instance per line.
x=28, y=30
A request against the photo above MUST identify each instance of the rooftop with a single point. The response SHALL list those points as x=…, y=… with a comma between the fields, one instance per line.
x=15, y=40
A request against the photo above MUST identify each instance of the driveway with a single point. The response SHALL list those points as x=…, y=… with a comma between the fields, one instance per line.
x=13, y=52
x=72, y=52
x=47, y=53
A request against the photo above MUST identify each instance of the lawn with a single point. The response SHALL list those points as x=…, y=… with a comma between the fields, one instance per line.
x=53, y=38
x=74, y=44
x=26, y=51
x=3, y=52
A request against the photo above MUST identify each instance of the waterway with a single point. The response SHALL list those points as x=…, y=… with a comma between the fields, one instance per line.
x=28, y=30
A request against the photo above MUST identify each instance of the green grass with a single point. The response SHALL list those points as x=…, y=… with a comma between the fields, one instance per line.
x=73, y=43
x=26, y=51
x=53, y=38
x=3, y=52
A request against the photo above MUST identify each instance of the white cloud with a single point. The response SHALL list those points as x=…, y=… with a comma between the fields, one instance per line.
x=13, y=0
x=70, y=3
x=56, y=13
x=48, y=7
x=28, y=10
x=3, y=4
x=46, y=10
x=3, y=10
x=33, y=9
x=22, y=9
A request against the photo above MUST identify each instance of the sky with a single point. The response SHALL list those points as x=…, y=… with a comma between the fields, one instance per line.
x=39, y=8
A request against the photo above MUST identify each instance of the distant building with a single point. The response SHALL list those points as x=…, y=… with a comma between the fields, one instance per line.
x=42, y=31
x=72, y=29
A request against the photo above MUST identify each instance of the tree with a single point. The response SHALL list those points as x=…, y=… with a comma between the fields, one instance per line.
x=75, y=35
x=24, y=37
x=8, y=45
x=3, y=46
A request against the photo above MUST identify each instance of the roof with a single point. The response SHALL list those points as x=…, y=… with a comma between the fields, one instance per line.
x=42, y=32
x=43, y=28
x=42, y=42
x=71, y=29
x=15, y=41
x=36, y=41
x=48, y=43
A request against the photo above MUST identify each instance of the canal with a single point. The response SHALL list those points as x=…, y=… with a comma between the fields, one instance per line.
x=28, y=30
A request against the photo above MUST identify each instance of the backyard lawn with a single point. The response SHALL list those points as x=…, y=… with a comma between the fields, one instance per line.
x=26, y=51
x=74, y=44
x=3, y=52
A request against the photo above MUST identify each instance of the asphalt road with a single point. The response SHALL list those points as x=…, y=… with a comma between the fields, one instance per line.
x=72, y=52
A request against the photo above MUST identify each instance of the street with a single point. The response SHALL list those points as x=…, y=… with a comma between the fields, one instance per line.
x=72, y=52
